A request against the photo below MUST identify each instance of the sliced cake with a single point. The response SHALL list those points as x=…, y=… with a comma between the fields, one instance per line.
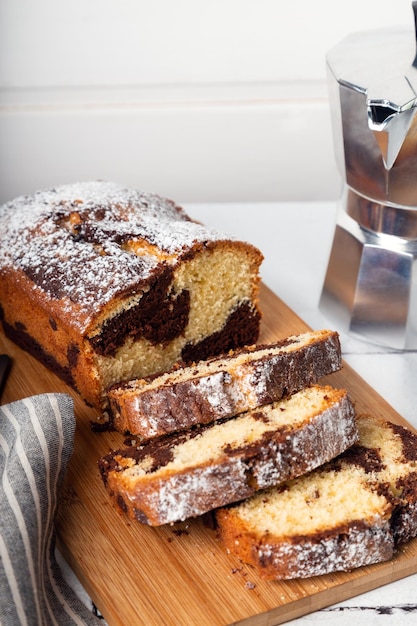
x=224, y=386
x=188, y=473
x=354, y=511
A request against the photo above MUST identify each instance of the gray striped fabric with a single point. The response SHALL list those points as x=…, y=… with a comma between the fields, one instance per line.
x=36, y=442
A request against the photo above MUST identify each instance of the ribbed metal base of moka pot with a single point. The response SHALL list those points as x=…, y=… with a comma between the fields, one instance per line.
x=370, y=287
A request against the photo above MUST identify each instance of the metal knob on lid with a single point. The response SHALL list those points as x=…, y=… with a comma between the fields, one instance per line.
x=370, y=286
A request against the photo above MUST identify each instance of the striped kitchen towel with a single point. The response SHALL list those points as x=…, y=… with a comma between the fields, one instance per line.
x=36, y=443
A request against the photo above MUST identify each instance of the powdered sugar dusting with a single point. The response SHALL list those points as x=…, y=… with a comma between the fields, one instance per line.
x=356, y=547
x=328, y=434
x=187, y=495
x=69, y=240
x=229, y=385
x=214, y=390
x=167, y=411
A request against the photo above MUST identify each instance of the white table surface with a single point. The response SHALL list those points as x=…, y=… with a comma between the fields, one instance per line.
x=295, y=239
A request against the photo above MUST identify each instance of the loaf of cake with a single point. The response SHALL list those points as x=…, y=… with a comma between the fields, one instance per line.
x=223, y=386
x=188, y=473
x=353, y=511
x=103, y=283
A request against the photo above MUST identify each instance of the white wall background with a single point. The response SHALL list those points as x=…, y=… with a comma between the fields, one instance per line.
x=202, y=101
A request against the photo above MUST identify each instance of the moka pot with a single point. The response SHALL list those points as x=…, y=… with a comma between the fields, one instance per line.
x=370, y=287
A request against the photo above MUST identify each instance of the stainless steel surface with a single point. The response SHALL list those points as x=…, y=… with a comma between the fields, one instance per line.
x=371, y=279
x=381, y=218
x=370, y=285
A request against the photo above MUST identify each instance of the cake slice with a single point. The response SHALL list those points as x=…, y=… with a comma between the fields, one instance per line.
x=188, y=473
x=103, y=283
x=224, y=386
x=351, y=512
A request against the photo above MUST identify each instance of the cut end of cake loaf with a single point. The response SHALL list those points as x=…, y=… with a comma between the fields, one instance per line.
x=351, y=512
x=224, y=386
x=103, y=283
x=188, y=473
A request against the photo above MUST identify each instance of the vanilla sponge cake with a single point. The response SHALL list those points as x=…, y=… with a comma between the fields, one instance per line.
x=353, y=511
x=104, y=283
x=223, y=386
x=188, y=473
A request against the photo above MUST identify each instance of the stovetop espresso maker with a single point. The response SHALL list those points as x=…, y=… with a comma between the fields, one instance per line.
x=370, y=286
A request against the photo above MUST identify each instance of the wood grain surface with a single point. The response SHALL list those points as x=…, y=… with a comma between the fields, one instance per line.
x=181, y=575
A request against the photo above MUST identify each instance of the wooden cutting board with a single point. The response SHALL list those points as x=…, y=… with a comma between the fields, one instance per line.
x=181, y=575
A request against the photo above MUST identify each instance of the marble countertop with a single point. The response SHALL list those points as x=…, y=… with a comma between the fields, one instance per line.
x=295, y=239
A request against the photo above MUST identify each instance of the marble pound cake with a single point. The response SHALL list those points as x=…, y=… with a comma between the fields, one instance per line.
x=103, y=283
x=223, y=386
x=353, y=511
x=188, y=473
